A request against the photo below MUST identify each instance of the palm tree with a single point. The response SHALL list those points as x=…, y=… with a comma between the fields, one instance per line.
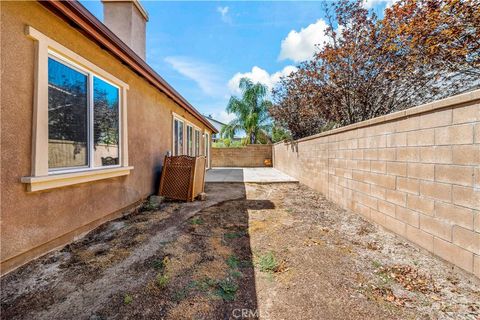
x=251, y=111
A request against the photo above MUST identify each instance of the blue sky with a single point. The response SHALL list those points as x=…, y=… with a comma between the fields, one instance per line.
x=203, y=48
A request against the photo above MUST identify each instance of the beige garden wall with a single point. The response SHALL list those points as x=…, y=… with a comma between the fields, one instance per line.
x=249, y=156
x=414, y=172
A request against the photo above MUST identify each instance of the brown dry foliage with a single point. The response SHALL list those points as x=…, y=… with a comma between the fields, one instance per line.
x=420, y=51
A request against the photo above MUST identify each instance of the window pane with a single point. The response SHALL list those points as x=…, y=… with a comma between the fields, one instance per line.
x=178, y=137
x=67, y=116
x=105, y=123
x=205, y=147
x=189, y=140
x=197, y=143
x=175, y=144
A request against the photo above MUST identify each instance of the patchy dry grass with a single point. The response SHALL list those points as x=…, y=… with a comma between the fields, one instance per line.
x=279, y=251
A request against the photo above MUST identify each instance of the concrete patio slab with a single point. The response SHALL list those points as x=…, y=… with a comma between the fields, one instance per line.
x=252, y=175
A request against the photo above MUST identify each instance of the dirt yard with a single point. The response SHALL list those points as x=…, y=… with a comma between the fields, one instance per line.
x=257, y=251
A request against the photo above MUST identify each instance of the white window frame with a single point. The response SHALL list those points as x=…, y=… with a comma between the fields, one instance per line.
x=207, y=142
x=182, y=121
x=186, y=124
x=41, y=177
x=90, y=105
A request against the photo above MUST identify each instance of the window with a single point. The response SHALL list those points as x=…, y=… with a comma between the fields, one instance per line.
x=207, y=148
x=190, y=140
x=197, y=142
x=79, y=123
x=178, y=137
x=68, y=112
x=188, y=143
x=76, y=139
x=106, y=130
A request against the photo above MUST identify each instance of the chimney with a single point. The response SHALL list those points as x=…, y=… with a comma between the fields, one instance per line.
x=127, y=19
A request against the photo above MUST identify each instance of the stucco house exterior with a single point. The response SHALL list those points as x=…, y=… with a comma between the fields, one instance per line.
x=218, y=125
x=85, y=122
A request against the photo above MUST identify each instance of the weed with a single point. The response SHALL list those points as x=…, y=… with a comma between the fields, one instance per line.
x=376, y=264
x=227, y=289
x=196, y=221
x=199, y=285
x=181, y=294
x=245, y=264
x=234, y=235
x=162, y=280
x=127, y=299
x=235, y=273
x=267, y=262
x=232, y=262
x=385, y=277
x=153, y=203
x=161, y=265
x=150, y=206
x=158, y=265
x=205, y=284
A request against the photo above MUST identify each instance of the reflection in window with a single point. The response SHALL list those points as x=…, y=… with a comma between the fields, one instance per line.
x=197, y=143
x=105, y=123
x=67, y=116
x=178, y=143
x=189, y=141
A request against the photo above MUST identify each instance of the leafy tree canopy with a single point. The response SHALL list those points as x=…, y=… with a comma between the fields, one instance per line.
x=251, y=110
x=420, y=51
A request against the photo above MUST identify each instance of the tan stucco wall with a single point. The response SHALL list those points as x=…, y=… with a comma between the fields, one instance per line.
x=416, y=173
x=34, y=223
x=249, y=156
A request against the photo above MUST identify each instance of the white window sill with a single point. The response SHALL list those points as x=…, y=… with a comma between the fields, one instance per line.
x=66, y=179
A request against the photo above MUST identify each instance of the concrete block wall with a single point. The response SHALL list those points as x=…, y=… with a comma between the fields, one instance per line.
x=248, y=156
x=415, y=172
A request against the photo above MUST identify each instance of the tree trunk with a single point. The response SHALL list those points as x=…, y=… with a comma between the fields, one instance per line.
x=252, y=138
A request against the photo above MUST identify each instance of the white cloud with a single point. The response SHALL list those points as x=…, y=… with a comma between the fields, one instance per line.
x=204, y=74
x=224, y=14
x=259, y=75
x=301, y=45
x=369, y=4
x=223, y=116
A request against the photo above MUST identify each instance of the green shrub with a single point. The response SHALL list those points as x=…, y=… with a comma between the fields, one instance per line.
x=162, y=280
x=196, y=221
x=267, y=262
x=232, y=262
x=227, y=289
x=234, y=235
x=127, y=299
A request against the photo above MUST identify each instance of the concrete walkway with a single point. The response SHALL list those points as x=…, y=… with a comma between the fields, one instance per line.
x=252, y=175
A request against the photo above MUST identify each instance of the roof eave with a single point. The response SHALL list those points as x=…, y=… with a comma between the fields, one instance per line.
x=77, y=15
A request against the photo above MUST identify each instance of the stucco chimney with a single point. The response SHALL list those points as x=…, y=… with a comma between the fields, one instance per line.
x=127, y=19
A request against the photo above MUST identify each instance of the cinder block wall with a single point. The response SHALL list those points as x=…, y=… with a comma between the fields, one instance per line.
x=414, y=172
x=249, y=156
